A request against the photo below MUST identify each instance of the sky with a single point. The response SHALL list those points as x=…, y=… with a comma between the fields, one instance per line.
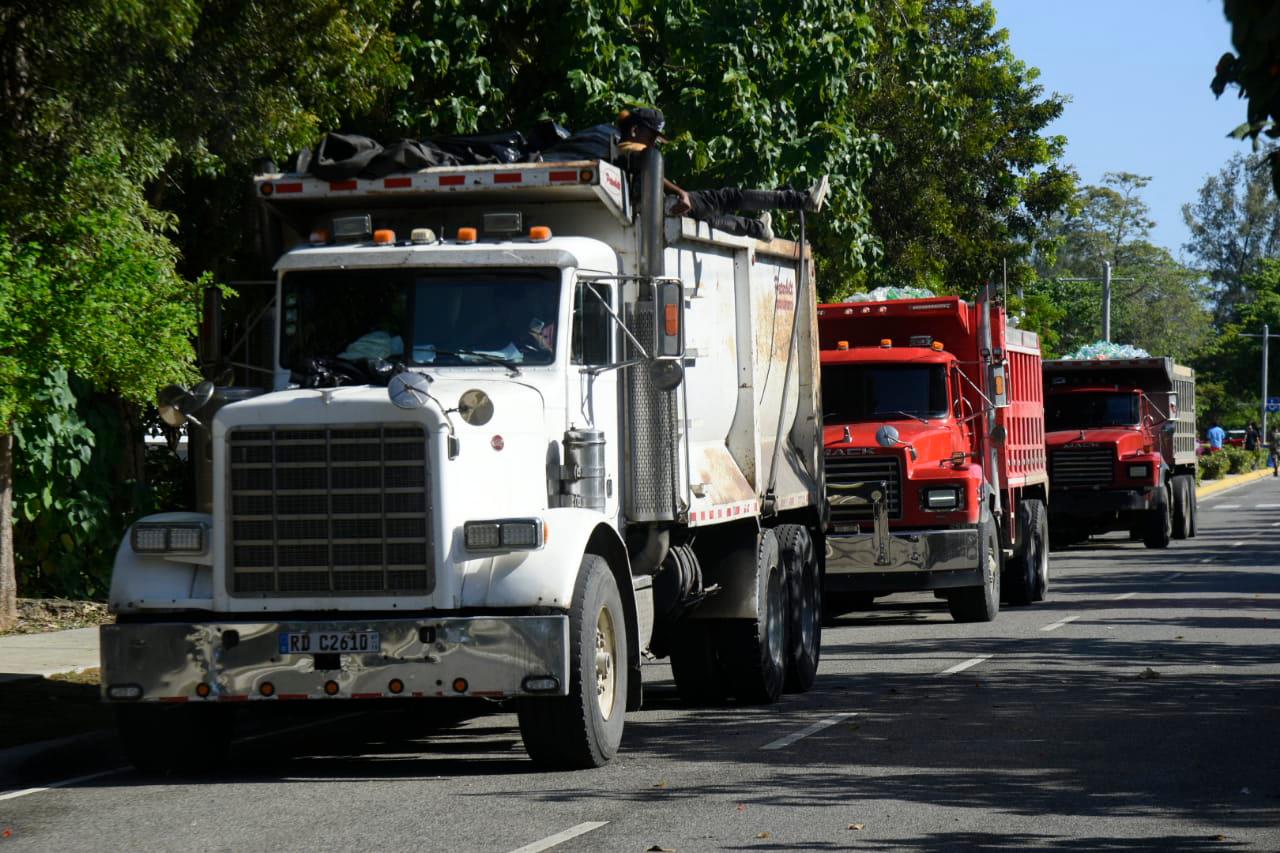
x=1137, y=73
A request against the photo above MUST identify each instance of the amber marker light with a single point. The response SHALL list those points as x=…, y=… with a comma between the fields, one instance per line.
x=267, y=689
x=384, y=237
x=842, y=345
x=331, y=688
x=396, y=686
x=202, y=690
x=937, y=346
x=539, y=234
x=466, y=235
x=886, y=342
x=459, y=685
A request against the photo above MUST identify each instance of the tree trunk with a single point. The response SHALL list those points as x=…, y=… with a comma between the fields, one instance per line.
x=8, y=577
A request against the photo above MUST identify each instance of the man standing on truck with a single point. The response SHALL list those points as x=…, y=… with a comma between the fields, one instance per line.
x=641, y=127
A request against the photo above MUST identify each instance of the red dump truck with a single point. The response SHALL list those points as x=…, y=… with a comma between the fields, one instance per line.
x=1122, y=448
x=935, y=467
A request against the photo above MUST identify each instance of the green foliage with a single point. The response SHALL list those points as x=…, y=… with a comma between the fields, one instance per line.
x=1255, y=32
x=70, y=509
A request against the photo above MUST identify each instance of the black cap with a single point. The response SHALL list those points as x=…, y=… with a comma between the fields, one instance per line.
x=643, y=117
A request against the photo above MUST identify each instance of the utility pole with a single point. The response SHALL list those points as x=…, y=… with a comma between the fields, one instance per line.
x=1266, y=337
x=1106, y=278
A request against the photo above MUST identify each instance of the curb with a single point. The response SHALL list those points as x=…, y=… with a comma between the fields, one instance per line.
x=1215, y=486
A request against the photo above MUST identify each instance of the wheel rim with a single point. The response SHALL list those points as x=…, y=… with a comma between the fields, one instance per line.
x=992, y=565
x=774, y=620
x=606, y=671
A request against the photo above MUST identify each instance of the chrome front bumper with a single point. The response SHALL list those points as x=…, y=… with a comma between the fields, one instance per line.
x=495, y=655
x=917, y=551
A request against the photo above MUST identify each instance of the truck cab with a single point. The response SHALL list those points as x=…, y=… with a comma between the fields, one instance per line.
x=1120, y=435
x=934, y=480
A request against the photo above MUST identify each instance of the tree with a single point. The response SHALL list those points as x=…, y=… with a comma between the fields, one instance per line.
x=108, y=108
x=1255, y=33
x=1161, y=309
x=1234, y=224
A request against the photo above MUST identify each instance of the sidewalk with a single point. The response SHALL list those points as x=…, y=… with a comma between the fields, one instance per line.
x=1211, y=487
x=35, y=655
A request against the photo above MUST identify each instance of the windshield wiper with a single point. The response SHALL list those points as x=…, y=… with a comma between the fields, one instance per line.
x=908, y=414
x=483, y=356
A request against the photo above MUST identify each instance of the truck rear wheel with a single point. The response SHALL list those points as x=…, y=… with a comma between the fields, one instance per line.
x=981, y=603
x=755, y=651
x=1028, y=573
x=584, y=729
x=1159, y=521
x=191, y=738
x=804, y=621
x=1195, y=509
x=1183, y=487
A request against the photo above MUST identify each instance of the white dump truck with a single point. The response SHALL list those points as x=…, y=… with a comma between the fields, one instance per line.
x=521, y=431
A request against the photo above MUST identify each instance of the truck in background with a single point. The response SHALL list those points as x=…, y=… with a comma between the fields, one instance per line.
x=935, y=471
x=517, y=431
x=1121, y=438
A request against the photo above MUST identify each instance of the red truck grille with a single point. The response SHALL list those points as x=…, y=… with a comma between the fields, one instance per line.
x=849, y=500
x=1081, y=466
x=340, y=510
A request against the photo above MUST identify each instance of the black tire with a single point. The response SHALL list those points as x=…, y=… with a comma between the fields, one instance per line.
x=1182, y=507
x=755, y=651
x=1027, y=576
x=1159, y=521
x=192, y=738
x=804, y=621
x=584, y=729
x=981, y=603
x=1194, y=512
x=695, y=666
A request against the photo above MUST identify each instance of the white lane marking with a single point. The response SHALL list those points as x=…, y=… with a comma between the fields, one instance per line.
x=1275, y=524
x=1268, y=506
x=963, y=665
x=1174, y=575
x=561, y=837
x=808, y=730
x=1237, y=544
x=13, y=795
x=1124, y=596
x=1225, y=506
x=1056, y=625
x=1207, y=560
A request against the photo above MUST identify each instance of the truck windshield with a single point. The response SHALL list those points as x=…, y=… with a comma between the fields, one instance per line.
x=870, y=392
x=1089, y=410
x=442, y=317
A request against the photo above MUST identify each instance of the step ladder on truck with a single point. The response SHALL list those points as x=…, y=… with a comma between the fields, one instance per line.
x=933, y=447
x=520, y=431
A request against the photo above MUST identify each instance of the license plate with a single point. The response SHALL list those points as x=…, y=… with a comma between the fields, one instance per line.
x=328, y=642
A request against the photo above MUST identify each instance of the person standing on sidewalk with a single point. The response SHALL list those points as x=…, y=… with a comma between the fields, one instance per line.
x=1252, y=436
x=1273, y=444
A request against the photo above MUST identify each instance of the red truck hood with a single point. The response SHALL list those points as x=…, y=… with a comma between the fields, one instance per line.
x=932, y=441
x=1127, y=440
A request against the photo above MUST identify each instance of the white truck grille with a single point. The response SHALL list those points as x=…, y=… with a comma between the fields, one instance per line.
x=1081, y=466
x=334, y=510
x=851, y=501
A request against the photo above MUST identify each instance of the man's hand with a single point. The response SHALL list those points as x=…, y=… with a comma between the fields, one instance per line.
x=682, y=204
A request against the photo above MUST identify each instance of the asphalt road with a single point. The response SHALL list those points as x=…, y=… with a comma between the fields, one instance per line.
x=1138, y=708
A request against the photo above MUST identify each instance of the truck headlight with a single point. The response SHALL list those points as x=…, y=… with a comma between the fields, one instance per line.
x=158, y=537
x=938, y=499
x=1139, y=472
x=504, y=534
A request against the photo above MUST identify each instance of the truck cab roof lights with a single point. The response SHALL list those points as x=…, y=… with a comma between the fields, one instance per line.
x=886, y=342
x=466, y=235
x=842, y=345
x=421, y=236
x=920, y=341
x=936, y=346
x=320, y=235
x=539, y=234
x=384, y=237
x=353, y=227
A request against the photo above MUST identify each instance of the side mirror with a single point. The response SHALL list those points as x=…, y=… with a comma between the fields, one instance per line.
x=1170, y=427
x=999, y=435
x=668, y=333
x=887, y=436
x=666, y=374
x=177, y=405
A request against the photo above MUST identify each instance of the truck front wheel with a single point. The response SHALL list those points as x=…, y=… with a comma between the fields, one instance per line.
x=1183, y=494
x=584, y=729
x=1159, y=521
x=981, y=603
x=191, y=738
